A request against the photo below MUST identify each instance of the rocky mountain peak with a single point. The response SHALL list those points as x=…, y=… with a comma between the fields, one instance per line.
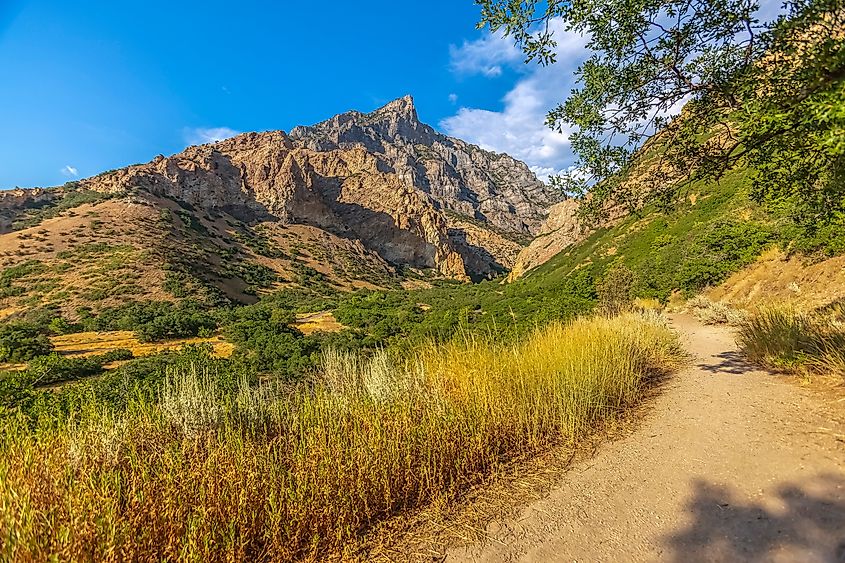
x=394, y=123
x=402, y=108
x=408, y=193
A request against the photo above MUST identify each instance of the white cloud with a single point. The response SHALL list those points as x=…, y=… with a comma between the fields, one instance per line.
x=519, y=129
x=544, y=172
x=69, y=170
x=484, y=56
x=453, y=98
x=202, y=135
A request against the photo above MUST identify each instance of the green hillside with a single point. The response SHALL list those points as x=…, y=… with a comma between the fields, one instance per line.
x=713, y=233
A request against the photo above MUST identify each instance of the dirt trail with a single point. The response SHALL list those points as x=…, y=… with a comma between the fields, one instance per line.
x=730, y=464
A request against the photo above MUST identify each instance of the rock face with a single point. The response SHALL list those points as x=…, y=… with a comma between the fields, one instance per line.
x=560, y=231
x=411, y=195
x=12, y=201
x=459, y=177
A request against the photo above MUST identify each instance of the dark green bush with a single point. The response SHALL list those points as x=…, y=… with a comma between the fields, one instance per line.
x=266, y=342
x=616, y=290
x=21, y=342
x=154, y=320
x=54, y=368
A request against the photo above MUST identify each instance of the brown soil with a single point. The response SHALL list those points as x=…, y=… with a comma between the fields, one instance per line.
x=728, y=464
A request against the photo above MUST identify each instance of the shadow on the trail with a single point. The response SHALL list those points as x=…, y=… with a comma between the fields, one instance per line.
x=804, y=522
x=730, y=362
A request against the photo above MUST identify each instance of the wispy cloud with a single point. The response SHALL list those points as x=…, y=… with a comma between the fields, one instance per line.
x=70, y=171
x=453, y=98
x=485, y=56
x=203, y=135
x=519, y=129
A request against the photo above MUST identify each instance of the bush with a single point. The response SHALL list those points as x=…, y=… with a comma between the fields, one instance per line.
x=154, y=320
x=54, y=368
x=60, y=325
x=714, y=313
x=616, y=290
x=265, y=341
x=782, y=338
x=21, y=342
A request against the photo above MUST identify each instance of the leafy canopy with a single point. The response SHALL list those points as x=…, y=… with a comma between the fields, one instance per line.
x=766, y=95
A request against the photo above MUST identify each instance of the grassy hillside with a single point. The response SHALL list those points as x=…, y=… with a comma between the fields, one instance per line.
x=78, y=249
x=715, y=231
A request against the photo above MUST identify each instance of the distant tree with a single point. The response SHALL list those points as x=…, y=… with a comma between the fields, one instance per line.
x=767, y=95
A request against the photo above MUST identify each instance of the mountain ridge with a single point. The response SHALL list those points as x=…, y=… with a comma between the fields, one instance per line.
x=379, y=189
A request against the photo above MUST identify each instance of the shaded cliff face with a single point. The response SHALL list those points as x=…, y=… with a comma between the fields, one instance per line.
x=412, y=196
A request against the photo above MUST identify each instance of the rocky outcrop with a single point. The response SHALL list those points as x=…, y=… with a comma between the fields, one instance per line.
x=561, y=230
x=405, y=191
x=13, y=202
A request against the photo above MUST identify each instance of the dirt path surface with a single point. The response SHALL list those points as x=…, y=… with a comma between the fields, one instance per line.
x=730, y=464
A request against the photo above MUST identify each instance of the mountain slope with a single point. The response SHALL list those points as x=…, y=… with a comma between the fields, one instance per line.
x=360, y=200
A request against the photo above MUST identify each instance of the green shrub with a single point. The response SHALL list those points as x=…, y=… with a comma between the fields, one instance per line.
x=21, y=342
x=616, y=290
x=9, y=275
x=266, y=342
x=60, y=325
x=154, y=320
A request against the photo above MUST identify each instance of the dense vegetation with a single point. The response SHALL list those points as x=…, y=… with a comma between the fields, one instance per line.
x=766, y=95
x=715, y=232
x=216, y=470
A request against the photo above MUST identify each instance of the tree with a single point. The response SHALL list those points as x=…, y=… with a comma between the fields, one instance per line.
x=767, y=95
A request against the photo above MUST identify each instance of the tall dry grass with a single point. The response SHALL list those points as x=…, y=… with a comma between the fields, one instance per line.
x=714, y=312
x=788, y=339
x=275, y=473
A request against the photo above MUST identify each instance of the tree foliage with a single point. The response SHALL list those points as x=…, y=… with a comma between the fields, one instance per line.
x=770, y=95
x=20, y=342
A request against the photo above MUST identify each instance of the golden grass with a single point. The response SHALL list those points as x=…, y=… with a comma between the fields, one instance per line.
x=784, y=338
x=93, y=343
x=276, y=474
x=82, y=344
x=779, y=278
x=9, y=311
x=323, y=321
x=647, y=304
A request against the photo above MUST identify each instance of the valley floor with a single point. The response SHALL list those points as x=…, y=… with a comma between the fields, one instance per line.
x=729, y=464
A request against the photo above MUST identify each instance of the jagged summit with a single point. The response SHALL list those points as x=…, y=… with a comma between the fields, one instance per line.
x=395, y=122
x=402, y=106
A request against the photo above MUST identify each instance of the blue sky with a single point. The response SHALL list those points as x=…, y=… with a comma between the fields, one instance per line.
x=94, y=85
